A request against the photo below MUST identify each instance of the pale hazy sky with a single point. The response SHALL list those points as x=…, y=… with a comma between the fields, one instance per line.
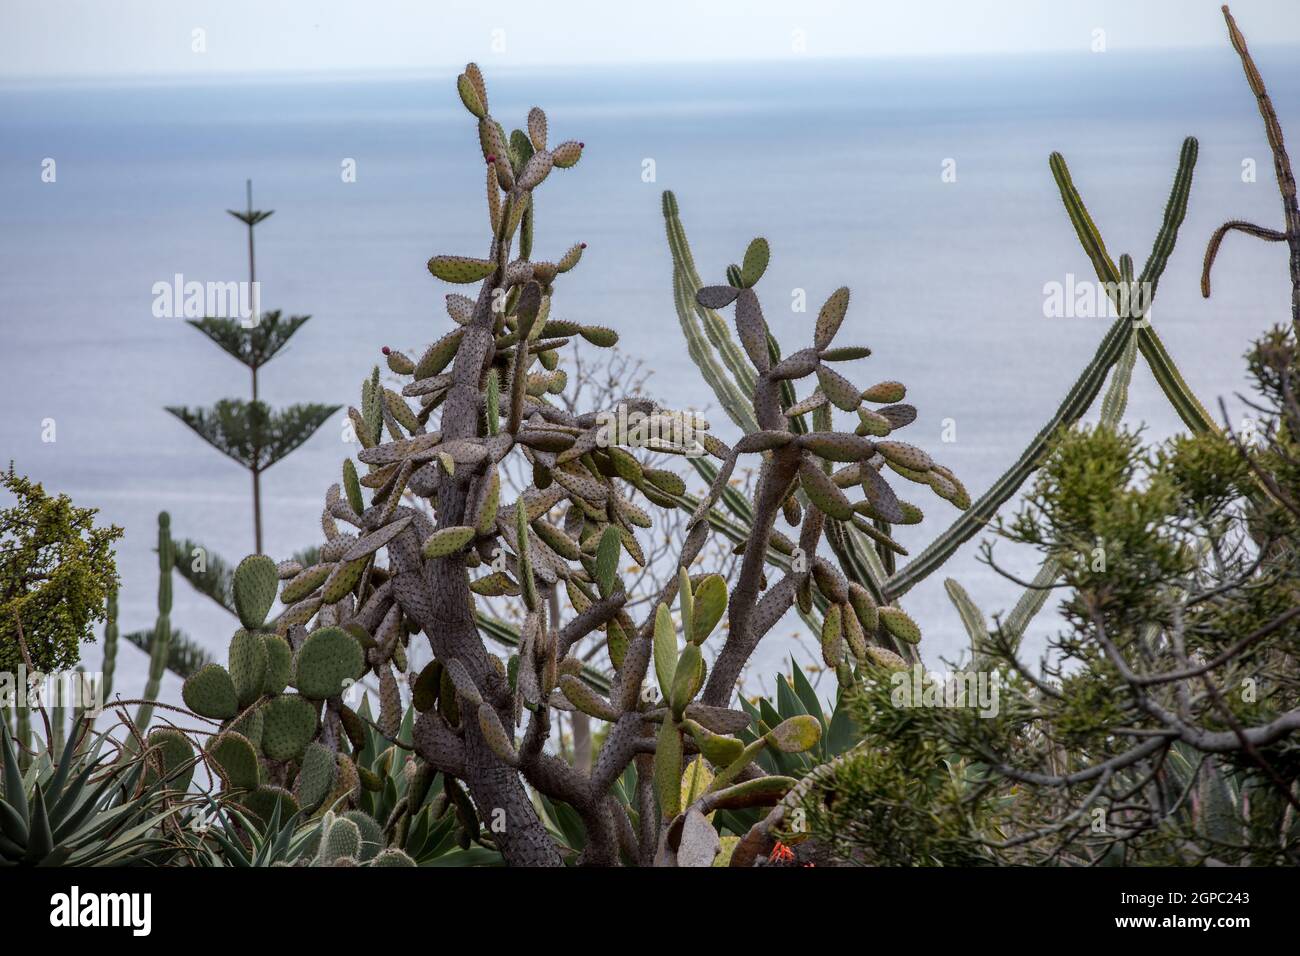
x=47, y=38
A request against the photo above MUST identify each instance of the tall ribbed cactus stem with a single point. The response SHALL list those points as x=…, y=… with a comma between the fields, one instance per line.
x=110, y=644
x=159, y=647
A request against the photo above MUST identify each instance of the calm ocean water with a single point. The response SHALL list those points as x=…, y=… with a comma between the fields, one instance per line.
x=837, y=163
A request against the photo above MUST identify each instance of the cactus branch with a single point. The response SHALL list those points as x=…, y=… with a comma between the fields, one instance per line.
x=1281, y=167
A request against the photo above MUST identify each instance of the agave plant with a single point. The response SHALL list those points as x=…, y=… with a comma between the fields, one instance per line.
x=241, y=840
x=81, y=809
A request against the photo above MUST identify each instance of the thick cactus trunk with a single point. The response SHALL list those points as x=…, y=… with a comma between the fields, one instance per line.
x=436, y=594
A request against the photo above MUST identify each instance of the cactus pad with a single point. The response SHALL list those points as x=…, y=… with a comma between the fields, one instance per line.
x=210, y=692
x=326, y=659
x=900, y=624
x=447, y=541
x=236, y=761
x=288, y=725
x=460, y=269
x=171, y=758
x=250, y=725
x=316, y=777
x=305, y=582
x=247, y=665
x=279, y=664
x=372, y=835
x=253, y=588
x=886, y=659
x=392, y=857
x=262, y=802
x=796, y=734
x=341, y=841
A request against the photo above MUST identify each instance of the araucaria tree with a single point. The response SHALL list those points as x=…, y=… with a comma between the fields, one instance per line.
x=481, y=393
x=251, y=432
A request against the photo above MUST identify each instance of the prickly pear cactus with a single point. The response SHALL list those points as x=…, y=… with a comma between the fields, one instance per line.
x=419, y=529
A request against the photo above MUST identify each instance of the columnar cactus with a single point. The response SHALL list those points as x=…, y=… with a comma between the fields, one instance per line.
x=162, y=632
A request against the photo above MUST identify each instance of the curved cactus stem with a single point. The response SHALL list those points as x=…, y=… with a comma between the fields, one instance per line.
x=110, y=644
x=1216, y=240
x=1281, y=167
x=1032, y=601
x=714, y=326
x=1175, y=213
x=1116, y=398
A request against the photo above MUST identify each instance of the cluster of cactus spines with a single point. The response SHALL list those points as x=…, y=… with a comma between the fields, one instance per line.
x=159, y=646
x=1285, y=181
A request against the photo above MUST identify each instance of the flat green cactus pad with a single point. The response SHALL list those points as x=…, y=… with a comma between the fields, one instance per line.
x=262, y=802
x=247, y=665
x=254, y=588
x=279, y=664
x=289, y=723
x=316, y=778
x=236, y=761
x=210, y=692
x=326, y=659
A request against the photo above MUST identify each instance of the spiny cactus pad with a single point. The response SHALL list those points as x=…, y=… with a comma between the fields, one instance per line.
x=796, y=734
x=247, y=665
x=279, y=664
x=372, y=834
x=249, y=724
x=886, y=658
x=236, y=761
x=210, y=692
x=897, y=622
x=447, y=541
x=326, y=659
x=460, y=269
x=392, y=857
x=316, y=776
x=341, y=840
x=253, y=588
x=288, y=725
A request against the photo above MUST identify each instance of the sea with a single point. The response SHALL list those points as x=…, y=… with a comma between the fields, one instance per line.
x=922, y=184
